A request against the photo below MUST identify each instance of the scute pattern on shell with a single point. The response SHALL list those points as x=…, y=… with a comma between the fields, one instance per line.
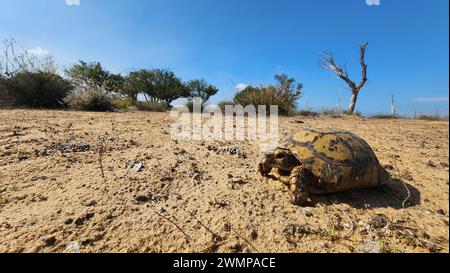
x=340, y=160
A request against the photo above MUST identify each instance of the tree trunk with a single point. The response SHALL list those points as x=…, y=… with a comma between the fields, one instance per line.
x=354, y=99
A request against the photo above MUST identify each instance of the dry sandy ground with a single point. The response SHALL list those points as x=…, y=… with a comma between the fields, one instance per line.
x=198, y=197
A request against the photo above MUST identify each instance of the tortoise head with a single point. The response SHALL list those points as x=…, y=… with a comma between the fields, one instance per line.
x=281, y=159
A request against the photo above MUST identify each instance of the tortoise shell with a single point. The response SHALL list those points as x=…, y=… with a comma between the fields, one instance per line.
x=340, y=160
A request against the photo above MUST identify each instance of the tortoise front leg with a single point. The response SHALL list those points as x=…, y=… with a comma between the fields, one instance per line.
x=299, y=186
x=284, y=179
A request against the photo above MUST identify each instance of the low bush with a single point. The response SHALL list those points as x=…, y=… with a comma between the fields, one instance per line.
x=434, y=117
x=306, y=113
x=123, y=103
x=151, y=106
x=385, y=116
x=269, y=95
x=334, y=111
x=5, y=99
x=355, y=114
x=284, y=95
x=91, y=100
x=38, y=90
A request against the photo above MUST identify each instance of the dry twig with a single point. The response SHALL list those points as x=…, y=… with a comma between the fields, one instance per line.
x=173, y=223
x=215, y=236
x=406, y=187
x=247, y=241
x=408, y=197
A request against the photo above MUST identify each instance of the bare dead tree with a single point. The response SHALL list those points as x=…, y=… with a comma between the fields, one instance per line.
x=328, y=62
x=13, y=61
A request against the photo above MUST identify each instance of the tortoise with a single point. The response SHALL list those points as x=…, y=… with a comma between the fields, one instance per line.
x=315, y=161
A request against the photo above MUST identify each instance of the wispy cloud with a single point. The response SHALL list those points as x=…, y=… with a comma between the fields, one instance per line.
x=73, y=2
x=432, y=99
x=38, y=51
x=241, y=86
x=373, y=2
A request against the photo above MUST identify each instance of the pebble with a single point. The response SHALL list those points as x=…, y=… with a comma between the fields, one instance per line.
x=235, y=247
x=160, y=210
x=253, y=235
x=324, y=245
x=146, y=198
x=370, y=247
x=379, y=221
x=74, y=147
x=72, y=247
x=138, y=167
x=307, y=213
x=238, y=180
x=236, y=151
x=86, y=217
x=90, y=203
x=227, y=227
x=36, y=178
x=430, y=163
x=49, y=241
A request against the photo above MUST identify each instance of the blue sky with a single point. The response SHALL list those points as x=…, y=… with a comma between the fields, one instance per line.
x=249, y=41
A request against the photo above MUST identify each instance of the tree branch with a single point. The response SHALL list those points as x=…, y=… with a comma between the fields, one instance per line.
x=362, y=55
x=328, y=62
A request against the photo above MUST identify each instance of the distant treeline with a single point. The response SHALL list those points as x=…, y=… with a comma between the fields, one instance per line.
x=28, y=80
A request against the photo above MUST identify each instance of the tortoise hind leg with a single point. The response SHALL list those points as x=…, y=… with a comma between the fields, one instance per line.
x=299, y=184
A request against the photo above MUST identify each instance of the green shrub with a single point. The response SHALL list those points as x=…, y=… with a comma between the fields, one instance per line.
x=91, y=100
x=123, y=103
x=285, y=95
x=38, y=90
x=269, y=95
x=151, y=106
